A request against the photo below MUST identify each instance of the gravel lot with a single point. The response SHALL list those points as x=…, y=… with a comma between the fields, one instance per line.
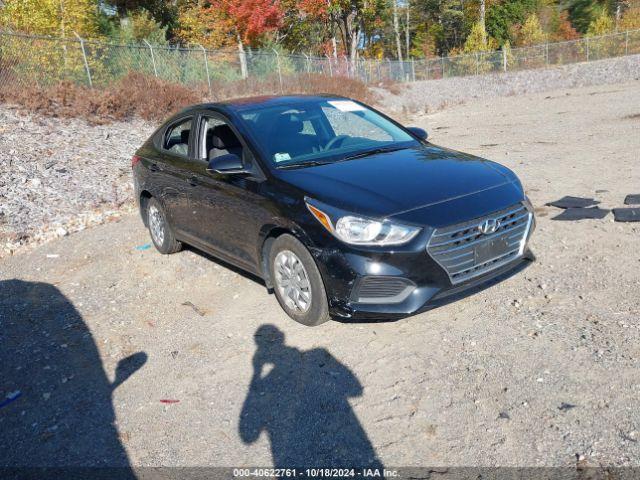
x=431, y=95
x=59, y=176
x=541, y=370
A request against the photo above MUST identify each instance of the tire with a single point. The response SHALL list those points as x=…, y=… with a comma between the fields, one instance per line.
x=286, y=257
x=160, y=231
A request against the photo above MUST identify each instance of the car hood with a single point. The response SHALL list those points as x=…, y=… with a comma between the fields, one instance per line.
x=399, y=183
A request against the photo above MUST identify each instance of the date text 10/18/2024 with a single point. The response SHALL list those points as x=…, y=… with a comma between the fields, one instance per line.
x=315, y=472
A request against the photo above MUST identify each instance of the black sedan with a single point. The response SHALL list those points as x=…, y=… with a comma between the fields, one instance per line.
x=342, y=211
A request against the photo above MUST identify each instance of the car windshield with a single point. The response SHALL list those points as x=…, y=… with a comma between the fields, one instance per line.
x=322, y=131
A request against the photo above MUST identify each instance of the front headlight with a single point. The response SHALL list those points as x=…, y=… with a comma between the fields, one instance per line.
x=364, y=231
x=528, y=205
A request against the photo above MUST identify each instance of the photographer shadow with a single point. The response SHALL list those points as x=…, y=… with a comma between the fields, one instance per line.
x=300, y=399
x=56, y=399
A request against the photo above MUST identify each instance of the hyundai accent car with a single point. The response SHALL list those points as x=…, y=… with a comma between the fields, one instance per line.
x=342, y=211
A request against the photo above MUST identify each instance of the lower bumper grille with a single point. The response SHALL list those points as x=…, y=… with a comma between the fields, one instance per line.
x=382, y=289
x=475, y=247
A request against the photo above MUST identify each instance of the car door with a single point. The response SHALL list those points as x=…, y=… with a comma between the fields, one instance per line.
x=172, y=167
x=227, y=210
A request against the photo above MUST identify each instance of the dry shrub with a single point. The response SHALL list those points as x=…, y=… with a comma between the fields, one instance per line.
x=139, y=95
x=344, y=86
x=147, y=97
x=134, y=95
x=391, y=86
x=298, y=84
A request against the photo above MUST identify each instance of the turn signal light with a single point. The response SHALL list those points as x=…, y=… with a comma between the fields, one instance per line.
x=322, y=217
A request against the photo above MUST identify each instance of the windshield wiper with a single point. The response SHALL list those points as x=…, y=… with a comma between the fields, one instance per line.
x=301, y=164
x=313, y=163
x=375, y=151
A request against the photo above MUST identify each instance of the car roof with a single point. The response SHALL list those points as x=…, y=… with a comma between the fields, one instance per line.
x=247, y=103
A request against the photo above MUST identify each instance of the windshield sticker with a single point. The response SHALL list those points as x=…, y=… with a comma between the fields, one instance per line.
x=346, y=105
x=281, y=157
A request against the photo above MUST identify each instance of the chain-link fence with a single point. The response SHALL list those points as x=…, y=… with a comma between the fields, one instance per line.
x=38, y=60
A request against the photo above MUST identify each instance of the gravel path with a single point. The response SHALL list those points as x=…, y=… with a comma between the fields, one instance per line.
x=427, y=96
x=58, y=176
x=541, y=370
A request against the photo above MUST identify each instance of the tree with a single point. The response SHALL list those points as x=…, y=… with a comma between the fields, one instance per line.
x=583, y=12
x=630, y=19
x=562, y=28
x=531, y=32
x=140, y=26
x=349, y=19
x=52, y=17
x=164, y=13
x=396, y=30
x=601, y=25
x=477, y=40
x=206, y=26
x=501, y=17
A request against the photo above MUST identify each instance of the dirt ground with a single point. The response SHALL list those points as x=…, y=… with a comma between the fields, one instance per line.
x=541, y=370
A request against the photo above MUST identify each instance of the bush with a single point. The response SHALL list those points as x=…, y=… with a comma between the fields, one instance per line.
x=149, y=98
x=134, y=95
x=312, y=83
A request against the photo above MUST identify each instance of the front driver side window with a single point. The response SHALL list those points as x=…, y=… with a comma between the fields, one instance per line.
x=218, y=140
x=176, y=140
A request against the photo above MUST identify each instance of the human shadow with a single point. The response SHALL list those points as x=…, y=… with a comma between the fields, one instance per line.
x=300, y=399
x=55, y=399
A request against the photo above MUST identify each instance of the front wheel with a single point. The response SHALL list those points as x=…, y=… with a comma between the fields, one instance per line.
x=161, y=234
x=297, y=281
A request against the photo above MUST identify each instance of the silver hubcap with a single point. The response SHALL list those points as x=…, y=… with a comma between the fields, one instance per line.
x=292, y=281
x=156, y=225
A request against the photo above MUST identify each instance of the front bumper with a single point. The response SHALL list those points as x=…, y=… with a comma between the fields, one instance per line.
x=423, y=297
x=406, y=281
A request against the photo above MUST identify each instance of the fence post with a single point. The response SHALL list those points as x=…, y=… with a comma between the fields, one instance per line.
x=308, y=65
x=242, y=56
x=504, y=59
x=84, y=57
x=587, y=42
x=413, y=69
x=547, y=52
x=626, y=43
x=153, y=58
x=279, y=71
x=330, y=68
x=477, y=63
x=206, y=67
x=442, y=62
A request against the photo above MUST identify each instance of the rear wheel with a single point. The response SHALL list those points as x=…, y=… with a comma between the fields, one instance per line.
x=297, y=282
x=161, y=234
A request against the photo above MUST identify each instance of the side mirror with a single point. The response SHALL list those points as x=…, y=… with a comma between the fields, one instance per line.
x=419, y=132
x=228, y=163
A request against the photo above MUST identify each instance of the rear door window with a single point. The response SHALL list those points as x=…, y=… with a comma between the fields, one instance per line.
x=177, y=136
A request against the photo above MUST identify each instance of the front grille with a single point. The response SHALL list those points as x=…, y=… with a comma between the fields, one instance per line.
x=459, y=248
x=382, y=289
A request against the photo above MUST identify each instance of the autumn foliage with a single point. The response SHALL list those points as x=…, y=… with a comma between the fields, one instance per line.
x=252, y=18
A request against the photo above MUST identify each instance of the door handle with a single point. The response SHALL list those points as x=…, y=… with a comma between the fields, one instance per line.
x=154, y=168
x=193, y=181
